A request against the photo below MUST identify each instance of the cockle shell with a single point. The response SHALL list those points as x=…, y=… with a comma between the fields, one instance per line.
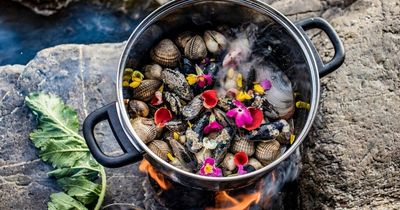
x=255, y=163
x=228, y=162
x=195, y=48
x=152, y=71
x=165, y=53
x=243, y=145
x=183, y=38
x=177, y=83
x=138, y=108
x=215, y=41
x=145, y=129
x=173, y=102
x=160, y=148
x=187, y=158
x=193, y=108
x=268, y=151
x=145, y=91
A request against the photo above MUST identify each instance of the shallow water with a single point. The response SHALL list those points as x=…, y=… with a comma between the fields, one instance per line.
x=23, y=33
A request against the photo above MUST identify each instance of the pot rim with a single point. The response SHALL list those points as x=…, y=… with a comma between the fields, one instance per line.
x=260, y=7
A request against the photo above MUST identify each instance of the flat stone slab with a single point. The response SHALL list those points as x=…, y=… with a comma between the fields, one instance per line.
x=350, y=162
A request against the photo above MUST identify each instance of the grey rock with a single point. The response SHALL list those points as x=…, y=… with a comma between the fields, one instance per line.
x=45, y=7
x=84, y=76
x=350, y=161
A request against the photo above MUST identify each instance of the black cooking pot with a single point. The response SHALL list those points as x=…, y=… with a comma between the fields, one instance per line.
x=292, y=51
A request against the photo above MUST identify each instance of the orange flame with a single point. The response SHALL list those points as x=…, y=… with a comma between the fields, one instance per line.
x=146, y=167
x=223, y=201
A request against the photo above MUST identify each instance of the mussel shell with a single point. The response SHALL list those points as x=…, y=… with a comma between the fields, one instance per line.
x=212, y=69
x=187, y=158
x=177, y=83
x=224, y=142
x=187, y=67
x=176, y=126
x=165, y=53
x=173, y=102
x=215, y=41
x=193, y=141
x=193, y=108
x=152, y=71
x=268, y=151
x=183, y=38
x=242, y=145
x=160, y=148
x=145, y=91
x=145, y=128
x=195, y=48
x=138, y=108
x=270, y=131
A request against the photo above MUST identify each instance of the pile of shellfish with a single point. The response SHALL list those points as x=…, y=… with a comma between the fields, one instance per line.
x=198, y=109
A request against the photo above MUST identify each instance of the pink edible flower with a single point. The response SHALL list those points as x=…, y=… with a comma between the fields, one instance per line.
x=209, y=168
x=266, y=84
x=212, y=127
x=241, y=159
x=241, y=114
x=203, y=80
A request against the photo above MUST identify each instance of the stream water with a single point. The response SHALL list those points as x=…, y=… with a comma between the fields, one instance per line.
x=23, y=33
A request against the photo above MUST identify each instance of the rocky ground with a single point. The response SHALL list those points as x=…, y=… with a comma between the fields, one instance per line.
x=350, y=162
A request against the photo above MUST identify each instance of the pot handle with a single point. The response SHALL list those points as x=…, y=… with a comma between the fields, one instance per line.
x=110, y=113
x=338, y=58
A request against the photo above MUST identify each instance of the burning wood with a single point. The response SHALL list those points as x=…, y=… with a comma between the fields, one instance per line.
x=223, y=201
x=146, y=167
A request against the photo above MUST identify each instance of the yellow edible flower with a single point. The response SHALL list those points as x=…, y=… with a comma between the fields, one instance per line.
x=170, y=157
x=189, y=124
x=176, y=135
x=239, y=80
x=191, y=79
x=137, y=74
x=292, y=138
x=242, y=96
x=125, y=83
x=208, y=169
x=258, y=89
x=137, y=78
x=303, y=105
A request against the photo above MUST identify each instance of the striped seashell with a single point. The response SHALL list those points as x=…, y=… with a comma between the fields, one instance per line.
x=215, y=41
x=160, y=148
x=243, y=145
x=145, y=91
x=255, y=163
x=145, y=129
x=165, y=53
x=268, y=151
x=196, y=49
x=183, y=38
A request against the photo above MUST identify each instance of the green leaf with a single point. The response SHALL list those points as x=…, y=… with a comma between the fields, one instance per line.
x=62, y=201
x=60, y=144
x=81, y=188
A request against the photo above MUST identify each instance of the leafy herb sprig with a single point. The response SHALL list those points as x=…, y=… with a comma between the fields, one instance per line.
x=60, y=144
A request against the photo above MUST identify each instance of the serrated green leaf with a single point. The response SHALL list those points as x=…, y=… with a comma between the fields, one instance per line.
x=60, y=144
x=80, y=188
x=62, y=201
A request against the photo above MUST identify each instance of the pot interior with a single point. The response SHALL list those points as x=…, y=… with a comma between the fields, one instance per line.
x=279, y=46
